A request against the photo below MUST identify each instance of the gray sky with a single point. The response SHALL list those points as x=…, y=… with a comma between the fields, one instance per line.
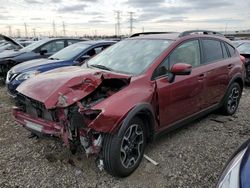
x=98, y=16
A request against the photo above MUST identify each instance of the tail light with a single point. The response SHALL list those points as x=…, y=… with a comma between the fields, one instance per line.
x=243, y=59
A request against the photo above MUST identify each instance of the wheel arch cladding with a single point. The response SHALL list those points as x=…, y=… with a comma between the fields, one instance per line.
x=238, y=79
x=145, y=112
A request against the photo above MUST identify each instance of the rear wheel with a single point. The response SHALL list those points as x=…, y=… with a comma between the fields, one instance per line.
x=232, y=99
x=123, y=152
x=247, y=80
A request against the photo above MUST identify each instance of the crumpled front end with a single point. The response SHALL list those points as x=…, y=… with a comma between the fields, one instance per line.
x=73, y=122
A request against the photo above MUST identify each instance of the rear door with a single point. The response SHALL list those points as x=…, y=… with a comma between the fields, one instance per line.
x=183, y=97
x=217, y=64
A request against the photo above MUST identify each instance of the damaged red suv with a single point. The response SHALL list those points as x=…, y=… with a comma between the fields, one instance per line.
x=123, y=97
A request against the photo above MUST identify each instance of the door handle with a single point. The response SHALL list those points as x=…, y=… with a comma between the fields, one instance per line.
x=230, y=66
x=201, y=77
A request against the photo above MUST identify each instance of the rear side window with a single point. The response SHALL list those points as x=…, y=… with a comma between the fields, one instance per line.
x=231, y=50
x=212, y=50
x=225, y=54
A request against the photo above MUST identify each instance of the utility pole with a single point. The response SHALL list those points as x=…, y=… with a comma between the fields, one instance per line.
x=54, y=29
x=18, y=33
x=34, y=32
x=25, y=30
x=10, y=30
x=118, y=23
x=64, y=29
x=131, y=19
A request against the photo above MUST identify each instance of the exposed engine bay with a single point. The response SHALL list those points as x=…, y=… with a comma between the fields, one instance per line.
x=81, y=114
x=74, y=119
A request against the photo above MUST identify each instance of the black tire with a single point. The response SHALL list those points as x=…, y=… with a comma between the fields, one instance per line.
x=247, y=80
x=232, y=99
x=132, y=138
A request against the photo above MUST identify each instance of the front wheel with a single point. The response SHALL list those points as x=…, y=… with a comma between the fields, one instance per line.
x=232, y=99
x=123, y=152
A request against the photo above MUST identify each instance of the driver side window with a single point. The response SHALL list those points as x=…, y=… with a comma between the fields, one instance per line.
x=188, y=52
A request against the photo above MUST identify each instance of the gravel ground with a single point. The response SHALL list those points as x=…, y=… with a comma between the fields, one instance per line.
x=192, y=156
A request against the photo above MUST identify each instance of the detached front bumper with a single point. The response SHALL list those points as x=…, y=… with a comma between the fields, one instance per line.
x=37, y=125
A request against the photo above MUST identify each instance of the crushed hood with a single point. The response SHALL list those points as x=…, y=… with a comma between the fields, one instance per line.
x=9, y=41
x=64, y=86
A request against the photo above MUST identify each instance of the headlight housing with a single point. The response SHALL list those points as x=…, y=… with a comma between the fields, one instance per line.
x=26, y=75
x=231, y=175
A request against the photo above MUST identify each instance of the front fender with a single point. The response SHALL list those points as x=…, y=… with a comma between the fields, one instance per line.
x=118, y=109
x=138, y=109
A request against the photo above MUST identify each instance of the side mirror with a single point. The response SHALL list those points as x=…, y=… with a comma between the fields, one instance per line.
x=181, y=69
x=84, y=58
x=81, y=60
x=43, y=51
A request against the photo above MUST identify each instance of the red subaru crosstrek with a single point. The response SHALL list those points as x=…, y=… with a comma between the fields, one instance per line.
x=126, y=95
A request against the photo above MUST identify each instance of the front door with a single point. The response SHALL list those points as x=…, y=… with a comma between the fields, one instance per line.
x=184, y=96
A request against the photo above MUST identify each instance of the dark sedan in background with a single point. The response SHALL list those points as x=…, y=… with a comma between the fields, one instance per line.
x=40, y=49
x=243, y=47
x=75, y=54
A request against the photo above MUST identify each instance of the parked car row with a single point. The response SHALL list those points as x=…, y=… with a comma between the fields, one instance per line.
x=243, y=47
x=74, y=54
x=40, y=49
x=118, y=100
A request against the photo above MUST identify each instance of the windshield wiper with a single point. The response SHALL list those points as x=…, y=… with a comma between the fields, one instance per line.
x=101, y=67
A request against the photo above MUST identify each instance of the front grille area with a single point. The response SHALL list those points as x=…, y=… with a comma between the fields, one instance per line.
x=35, y=108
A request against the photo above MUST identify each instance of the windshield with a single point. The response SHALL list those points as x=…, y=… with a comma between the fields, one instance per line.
x=130, y=56
x=33, y=46
x=244, y=48
x=70, y=52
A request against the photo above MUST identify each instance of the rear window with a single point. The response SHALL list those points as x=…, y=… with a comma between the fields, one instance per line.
x=212, y=50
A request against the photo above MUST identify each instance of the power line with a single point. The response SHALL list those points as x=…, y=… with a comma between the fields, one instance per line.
x=18, y=32
x=54, y=29
x=34, y=32
x=10, y=30
x=25, y=30
x=118, y=23
x=64, y=29
x=131, y=19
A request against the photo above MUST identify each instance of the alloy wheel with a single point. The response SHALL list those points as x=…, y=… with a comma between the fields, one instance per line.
x=233, y=99
x=132, y=146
